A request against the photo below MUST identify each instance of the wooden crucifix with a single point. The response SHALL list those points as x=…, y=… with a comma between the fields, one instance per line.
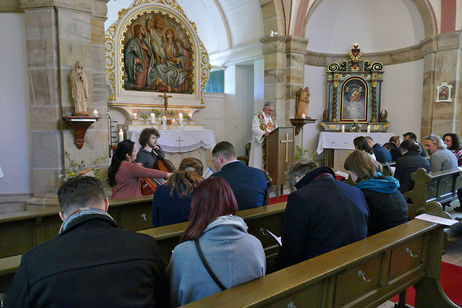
x=165, y=97
x=287, y=141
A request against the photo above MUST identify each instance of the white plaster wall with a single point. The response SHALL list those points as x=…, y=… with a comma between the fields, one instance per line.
x=258, y=84
x=376, y=25
x=14, y=154
x=212, y=115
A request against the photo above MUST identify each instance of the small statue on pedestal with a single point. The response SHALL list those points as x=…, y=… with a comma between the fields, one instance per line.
x=79, y=86
x=302, y=102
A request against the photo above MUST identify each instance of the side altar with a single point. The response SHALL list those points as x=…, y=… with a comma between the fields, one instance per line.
x=354, y=95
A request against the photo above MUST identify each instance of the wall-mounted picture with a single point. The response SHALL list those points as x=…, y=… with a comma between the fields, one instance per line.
x=443, y=93
x=157, y=55
x=354, y=95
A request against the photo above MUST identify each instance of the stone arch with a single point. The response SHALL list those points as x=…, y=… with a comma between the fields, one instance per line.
x=273, y=17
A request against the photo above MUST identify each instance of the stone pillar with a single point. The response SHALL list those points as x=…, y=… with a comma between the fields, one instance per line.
x=57, y=34
x=274, y=51
x=441, y=63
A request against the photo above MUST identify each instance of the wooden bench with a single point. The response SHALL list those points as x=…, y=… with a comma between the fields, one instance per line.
x=363, y=274
x=439, y=186
x=21, y=231
x=167, y=237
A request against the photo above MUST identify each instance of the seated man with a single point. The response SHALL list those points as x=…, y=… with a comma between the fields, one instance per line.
x=411, y=136
x=150, y=151
x=382, y=155
x=91, y=263
x=248, y=184
x=440, y=157
x=321, y=215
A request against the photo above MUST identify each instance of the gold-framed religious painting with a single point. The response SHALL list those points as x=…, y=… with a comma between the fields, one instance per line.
x=354, y=98
x=443, y=93
x=158, y=55
x=153, y=48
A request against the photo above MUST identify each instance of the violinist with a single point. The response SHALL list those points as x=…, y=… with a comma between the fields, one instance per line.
x=150, y=151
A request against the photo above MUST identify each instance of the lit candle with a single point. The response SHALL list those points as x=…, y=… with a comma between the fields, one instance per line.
x=135, y=116
x=180, y=116
x=95, y=113
x=303, y=116
x=343, y=128
x=121, y=135
x=164, y=122
x=153, y=118
x=368, y=128
x=190, y=115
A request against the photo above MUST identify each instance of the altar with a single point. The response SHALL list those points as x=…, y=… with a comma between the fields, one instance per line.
x=192, y=141
x=339, y=145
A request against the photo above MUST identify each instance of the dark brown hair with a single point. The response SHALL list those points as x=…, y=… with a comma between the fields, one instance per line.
x=186, y=178
x=361, y=144
x=80, y=192
x=212, y=198
x=224, y=148
x=146, y=134
x=395, y=140
x=120, y=154
x=409, y=146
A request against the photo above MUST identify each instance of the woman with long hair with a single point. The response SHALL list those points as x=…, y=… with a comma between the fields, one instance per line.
x=408, y=164
x=124, y=174
x=452, y=142
x=172, y=201
x=233, y=256
x=387, y=207
x=361, y=144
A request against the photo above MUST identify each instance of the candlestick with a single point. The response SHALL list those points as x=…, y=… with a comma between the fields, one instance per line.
x=121, y=135
x=153, y=118
x=134, y=116
x=164, y=122
x=343, y=128
x=95, y=113
x=368, y=128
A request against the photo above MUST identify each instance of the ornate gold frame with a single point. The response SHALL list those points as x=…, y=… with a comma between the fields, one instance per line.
x=115, y=35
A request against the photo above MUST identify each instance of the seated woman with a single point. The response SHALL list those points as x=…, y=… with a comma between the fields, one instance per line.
x=361, y=144
x=387, y=207
x=408, y=164
x=394, y=150
x=452, y=142
x=172, y=201
x=123, y=174
x=222, y=241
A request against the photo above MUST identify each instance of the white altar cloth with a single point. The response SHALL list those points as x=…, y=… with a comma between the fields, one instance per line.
x=344, y=141
x=178, y=141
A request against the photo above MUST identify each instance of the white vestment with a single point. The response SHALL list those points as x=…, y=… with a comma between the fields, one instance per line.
x=256, y=153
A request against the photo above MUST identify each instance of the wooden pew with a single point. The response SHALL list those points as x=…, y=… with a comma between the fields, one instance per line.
x=167, y=237
x=439, y=186
x=257, y=219
x=363, y=274
x=21, y=231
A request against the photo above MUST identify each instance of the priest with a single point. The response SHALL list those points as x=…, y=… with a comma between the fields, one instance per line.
x=262, y=125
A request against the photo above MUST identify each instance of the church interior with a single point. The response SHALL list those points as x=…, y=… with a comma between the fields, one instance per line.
x=230, y=58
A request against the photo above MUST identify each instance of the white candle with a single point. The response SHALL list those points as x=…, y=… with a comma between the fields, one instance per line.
x=164, y=122
x=153, y=118
x=95, y=113
x=343, y=128
x=135, y=116
x=368, y=128
x=303, y=116
x=121, y=135
x=190, y=116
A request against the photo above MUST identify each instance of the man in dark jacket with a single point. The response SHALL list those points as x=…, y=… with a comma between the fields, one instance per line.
x=411, y=136
x=382, y=155
x=248, y=184
x=91, y=263
x=321, y=215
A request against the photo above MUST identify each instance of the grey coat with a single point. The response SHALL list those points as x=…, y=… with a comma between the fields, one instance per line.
x=442, y=159
x=234, y=255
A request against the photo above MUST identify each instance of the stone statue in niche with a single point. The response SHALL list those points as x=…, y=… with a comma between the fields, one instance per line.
x=79, y=86
x=302, y=102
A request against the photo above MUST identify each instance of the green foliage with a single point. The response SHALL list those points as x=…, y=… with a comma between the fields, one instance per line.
x=144, y=116
x=80, y=168
x=300, y=153
x=157, y=112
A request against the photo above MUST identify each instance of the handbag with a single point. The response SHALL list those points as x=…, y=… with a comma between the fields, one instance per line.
x=206, y=265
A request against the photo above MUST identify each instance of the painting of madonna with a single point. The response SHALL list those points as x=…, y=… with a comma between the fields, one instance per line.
x=354, y=100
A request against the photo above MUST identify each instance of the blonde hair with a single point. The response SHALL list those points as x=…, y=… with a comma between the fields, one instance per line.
x=361, y=164
x=186, y=178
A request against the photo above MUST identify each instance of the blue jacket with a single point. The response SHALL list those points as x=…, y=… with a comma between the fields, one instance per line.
x=406, y=166
x=381, y=154
x=167, y=209
x=248, y=184
x=321, y=215
x=233, y=255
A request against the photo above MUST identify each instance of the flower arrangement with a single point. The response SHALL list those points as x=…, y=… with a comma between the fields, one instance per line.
x=79, y=168
x=356, y=127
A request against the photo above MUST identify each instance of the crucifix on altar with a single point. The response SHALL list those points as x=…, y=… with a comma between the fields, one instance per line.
x=165, y=97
